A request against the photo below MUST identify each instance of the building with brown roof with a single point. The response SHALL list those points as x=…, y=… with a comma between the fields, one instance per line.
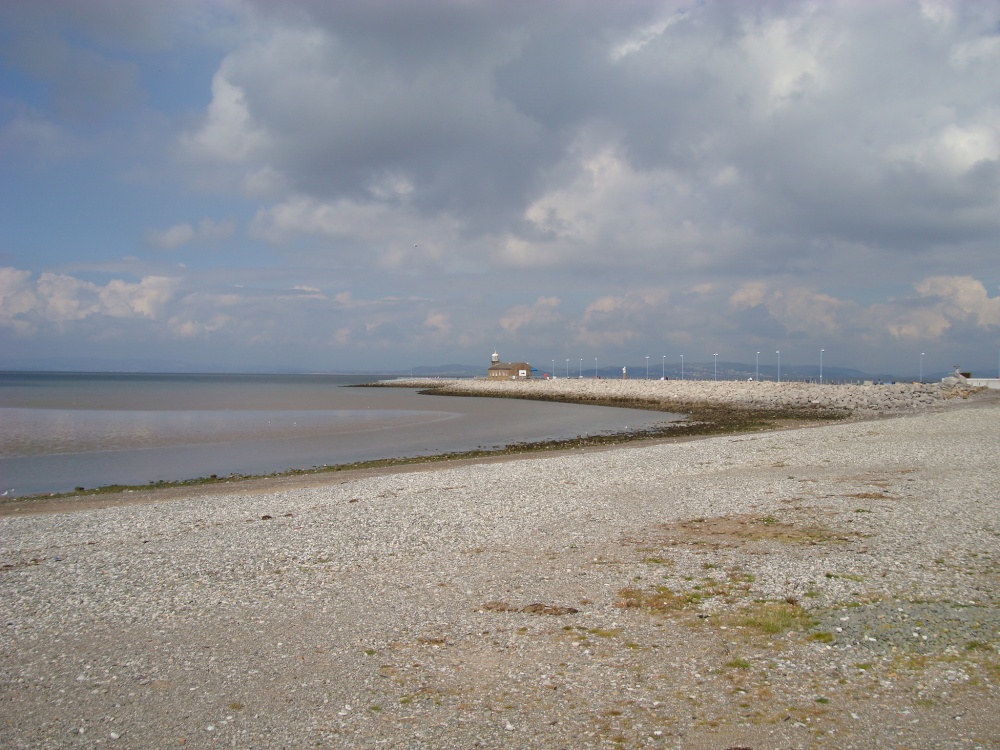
x=508, y=370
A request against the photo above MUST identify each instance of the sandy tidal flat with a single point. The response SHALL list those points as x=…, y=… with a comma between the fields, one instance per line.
x=831, y=587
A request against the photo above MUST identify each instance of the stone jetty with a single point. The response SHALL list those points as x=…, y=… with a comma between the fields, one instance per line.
x=859, y=400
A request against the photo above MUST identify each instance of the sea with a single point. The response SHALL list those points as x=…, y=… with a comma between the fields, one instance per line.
x=63, y=431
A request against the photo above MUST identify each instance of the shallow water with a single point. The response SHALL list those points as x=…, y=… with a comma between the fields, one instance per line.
x=59, y=431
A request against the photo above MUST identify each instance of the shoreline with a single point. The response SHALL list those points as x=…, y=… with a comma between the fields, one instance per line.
x=710, y=408
x=831, y=588
x=99, y=498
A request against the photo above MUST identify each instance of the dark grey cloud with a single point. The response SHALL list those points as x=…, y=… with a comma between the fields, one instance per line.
x=478, y=106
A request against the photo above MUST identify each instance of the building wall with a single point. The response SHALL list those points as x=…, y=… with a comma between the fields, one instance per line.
x=985, y=382
x=509, y=371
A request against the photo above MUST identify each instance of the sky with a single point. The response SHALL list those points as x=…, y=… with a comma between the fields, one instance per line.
x=251, y=185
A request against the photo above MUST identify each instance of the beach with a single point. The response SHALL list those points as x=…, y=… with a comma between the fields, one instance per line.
x=833, y=586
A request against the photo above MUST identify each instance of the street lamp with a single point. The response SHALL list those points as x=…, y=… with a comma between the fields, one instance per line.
x=595, y=368
x=553, y=368
x=821, y=365
x=682, y=367
x=716, y=366
x=581, y=368
x=756, y=371
x=663, y=369
x=567, y=367
x=779, y=364
x=921, y=367
x=647, y=367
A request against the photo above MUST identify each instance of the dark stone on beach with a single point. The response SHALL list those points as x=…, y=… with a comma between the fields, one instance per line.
x=532, y=609
x=548, y=609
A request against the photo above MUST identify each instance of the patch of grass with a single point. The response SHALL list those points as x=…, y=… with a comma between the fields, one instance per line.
x=772, y=618
x=659, y=599
x=738, y=663
x=604, y=632
x=823, y=637
x=974, y=645
x=746, y=528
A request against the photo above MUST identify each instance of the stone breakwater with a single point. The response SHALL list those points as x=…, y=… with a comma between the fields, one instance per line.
x=860, y=400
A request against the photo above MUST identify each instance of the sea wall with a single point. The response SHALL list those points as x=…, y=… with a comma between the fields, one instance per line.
x=862, y=400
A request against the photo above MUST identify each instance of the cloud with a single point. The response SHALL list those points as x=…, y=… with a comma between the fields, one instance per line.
x=614, y=320
x=542, y=312
x=178, y=235
x=147, y=298
x=941, y=303
x=955, y=149
x=30, y=137
x=438, y=322
x=229, y=134
x=26, y=304
x=171, y=238
x=17, y=299
x=797, y=309
x=962, y=298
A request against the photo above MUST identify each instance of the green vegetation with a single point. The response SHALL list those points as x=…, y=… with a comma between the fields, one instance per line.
x=772, y=618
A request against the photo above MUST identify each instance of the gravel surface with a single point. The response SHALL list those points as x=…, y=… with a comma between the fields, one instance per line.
x=830, y=587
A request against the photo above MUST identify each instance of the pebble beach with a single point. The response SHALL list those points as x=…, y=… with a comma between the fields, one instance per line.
x=832, y=586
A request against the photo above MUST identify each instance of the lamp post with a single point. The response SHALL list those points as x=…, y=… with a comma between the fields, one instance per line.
x=821, y=365
x=756, y=371
x=716, y=366
x=581, y=368
x=595, y=368
x=647, y=367
x=553, y=368
x=682, y=367
x=567, y=367
x=663, y=369
x=921, y=367
x=779, y=364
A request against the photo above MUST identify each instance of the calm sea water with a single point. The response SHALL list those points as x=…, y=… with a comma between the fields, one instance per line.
x=59, y=431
